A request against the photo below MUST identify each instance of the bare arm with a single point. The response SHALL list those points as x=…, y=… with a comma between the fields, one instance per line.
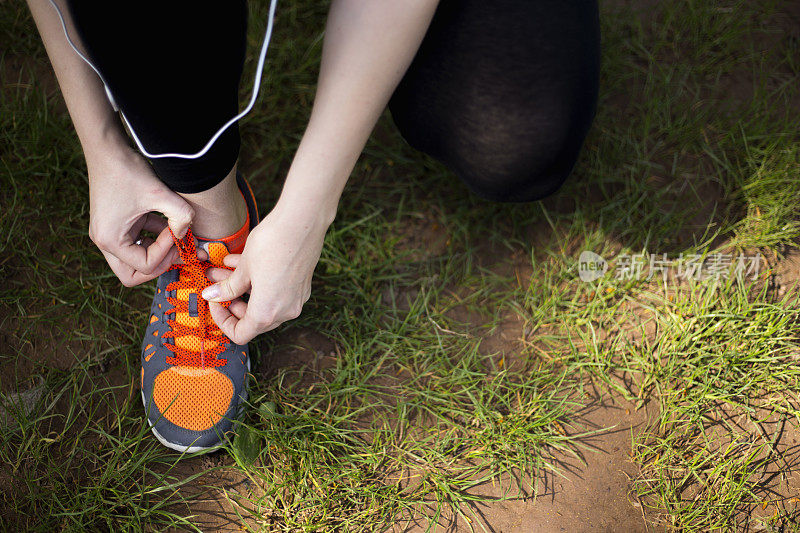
x=123, y=190
x=368, y=47
x=93, y=117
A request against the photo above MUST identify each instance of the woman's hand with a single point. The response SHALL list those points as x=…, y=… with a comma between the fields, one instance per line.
x=124, y=192
x=368, y=46
x=276, y=267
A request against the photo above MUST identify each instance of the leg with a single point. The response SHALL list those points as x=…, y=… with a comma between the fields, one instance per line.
x=174, y=69
x=504, y=92
x=174, y=72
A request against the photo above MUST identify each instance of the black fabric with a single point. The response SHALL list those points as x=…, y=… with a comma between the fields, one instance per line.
x=193, y=304
x=502, y=92
x=173, y=68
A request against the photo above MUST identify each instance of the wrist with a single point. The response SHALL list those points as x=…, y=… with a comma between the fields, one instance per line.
x=114, y=160
x=304, y=212
x=310, y=196
x=104, y=141
x=314, y=184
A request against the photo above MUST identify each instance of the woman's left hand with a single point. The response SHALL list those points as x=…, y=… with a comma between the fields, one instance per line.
x=276, y=267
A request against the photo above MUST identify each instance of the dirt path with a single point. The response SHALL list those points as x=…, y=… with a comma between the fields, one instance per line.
x=592, y=497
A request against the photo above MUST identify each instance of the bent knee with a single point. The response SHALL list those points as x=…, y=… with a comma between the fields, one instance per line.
x=521, y=157
x=522, y=171
x=527, y=187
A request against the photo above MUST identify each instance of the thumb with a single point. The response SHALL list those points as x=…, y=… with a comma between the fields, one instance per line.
x=228, y=289
x=177, y=210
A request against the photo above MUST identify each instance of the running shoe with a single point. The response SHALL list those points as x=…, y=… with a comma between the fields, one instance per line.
x=194, y=378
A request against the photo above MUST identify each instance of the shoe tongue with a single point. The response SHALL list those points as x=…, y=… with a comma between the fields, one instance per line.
x=216, y=250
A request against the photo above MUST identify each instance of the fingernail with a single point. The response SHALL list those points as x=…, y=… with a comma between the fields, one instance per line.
x=211, y=292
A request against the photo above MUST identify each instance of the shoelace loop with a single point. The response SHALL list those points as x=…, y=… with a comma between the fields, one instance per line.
x=192, y=276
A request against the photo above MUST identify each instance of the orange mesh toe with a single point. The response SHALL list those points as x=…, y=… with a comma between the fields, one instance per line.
x=192, y=398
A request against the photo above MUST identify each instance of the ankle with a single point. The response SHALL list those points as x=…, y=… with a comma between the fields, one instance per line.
x=219, y=221
x=220, y=211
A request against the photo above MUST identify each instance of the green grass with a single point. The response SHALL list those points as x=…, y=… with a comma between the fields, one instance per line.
x=400, y=407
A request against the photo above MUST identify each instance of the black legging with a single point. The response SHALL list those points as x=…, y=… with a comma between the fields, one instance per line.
x=503, y=92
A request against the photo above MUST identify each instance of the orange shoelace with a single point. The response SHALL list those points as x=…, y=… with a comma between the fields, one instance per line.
x=197, y=339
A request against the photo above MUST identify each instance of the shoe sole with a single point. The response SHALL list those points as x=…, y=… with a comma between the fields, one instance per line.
x=193, y=449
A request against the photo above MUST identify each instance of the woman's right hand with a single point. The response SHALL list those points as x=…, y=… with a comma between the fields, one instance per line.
x=125, y=196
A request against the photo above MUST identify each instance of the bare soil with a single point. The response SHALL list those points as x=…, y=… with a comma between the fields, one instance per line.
x=591, y=495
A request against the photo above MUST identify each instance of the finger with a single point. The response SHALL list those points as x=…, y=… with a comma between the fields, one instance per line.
x=123, y=272
x=178, y=212
x=231, y=287
x=145, y=259
x=231, y=260
x=238, y=308
x=131, y=277
x=239, y=330
x=169, y=260
x=218, y=274
x=154, y=223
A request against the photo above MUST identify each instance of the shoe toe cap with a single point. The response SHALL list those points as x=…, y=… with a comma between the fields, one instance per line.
x=191, y=407
x=193, y=398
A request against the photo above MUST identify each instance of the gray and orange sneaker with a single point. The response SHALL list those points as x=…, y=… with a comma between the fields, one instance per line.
x=194, y=378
